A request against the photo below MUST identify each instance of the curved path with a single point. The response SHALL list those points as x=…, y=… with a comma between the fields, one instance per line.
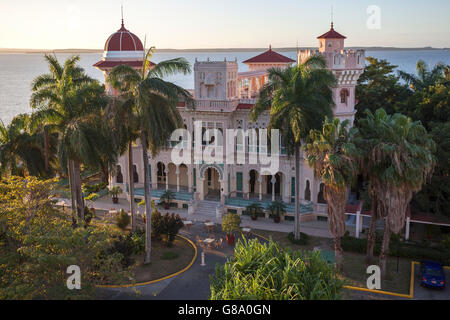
x=192, y=284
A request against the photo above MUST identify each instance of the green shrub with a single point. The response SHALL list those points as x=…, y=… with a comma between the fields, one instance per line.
x=123, y=219
x=303, y=241
x=138, y=241
x=231, y=223
x=267, y=272
x=169, y=255
x=413, y=251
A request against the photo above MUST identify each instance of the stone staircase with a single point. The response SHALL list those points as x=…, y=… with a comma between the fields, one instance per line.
x=206, y=208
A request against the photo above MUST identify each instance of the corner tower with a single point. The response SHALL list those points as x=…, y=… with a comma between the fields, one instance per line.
x=347, y=65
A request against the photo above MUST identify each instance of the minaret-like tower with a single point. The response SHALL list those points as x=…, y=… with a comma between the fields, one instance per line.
x=121, y=48
x=347, y=65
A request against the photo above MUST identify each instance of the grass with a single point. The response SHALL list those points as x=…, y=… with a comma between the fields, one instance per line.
x=164, y=261
x=354, y=263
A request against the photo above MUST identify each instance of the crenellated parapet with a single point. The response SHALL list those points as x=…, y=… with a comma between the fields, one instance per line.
x=346, y=59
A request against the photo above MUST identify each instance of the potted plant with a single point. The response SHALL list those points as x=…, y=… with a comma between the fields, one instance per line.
x=114, y=192
x=166, y=198
x=277, y=209
x=231, y=223
x=255, y=209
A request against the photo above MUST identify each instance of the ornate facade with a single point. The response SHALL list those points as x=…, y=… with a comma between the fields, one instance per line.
x=223, y=99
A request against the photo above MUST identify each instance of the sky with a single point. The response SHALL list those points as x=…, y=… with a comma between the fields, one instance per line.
x=188, y=24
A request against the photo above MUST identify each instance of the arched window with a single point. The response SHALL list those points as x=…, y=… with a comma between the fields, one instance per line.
x=119, y=176
x=344, y=96
x=135, y=174
x=320, y=196
x=308, y=191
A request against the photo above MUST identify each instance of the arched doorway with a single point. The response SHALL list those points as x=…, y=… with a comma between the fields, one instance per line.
x=253, y=183
x=278, y=190
x=161, y=175
x=184, y=182
x=119, y=175
x=212, y=187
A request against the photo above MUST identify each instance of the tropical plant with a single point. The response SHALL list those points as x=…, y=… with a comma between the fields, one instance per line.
x=114, y=192
x=299, y=98
x=20, y=152
x=124, y=132
x=277, y=209
x=154, y=101
x=425, y=77
x=72, y=104
x=266, y=272
x=332, y=155
x=167, y=197
x=123, y=220
x=397, y=158
x=231, y=223
x=254, y=209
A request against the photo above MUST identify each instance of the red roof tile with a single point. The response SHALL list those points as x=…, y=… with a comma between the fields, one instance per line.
x=332, y=34
x=269, y=57
x=106, y=64
x=123, y=40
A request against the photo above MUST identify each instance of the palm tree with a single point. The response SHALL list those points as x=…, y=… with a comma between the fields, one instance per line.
x=20, y=152
x=154, y=102
x=398, y=161
x=299, y=99
x=72, y=103
x=124, y=132
x=332, y=155
x=425, y=77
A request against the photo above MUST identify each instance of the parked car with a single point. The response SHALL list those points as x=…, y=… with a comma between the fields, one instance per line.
x=432, y=275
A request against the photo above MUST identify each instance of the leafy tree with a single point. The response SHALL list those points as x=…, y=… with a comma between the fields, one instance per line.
x=331, y=153
x=299, y=98
x=425, y=77
x=38, y=243
x=267, y=272
x=20, y=152
x=397, y=157
x=379, y=87
x=72, y=103
x=154, y=102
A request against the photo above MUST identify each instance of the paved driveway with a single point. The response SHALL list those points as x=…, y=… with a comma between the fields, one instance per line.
x=421, y=293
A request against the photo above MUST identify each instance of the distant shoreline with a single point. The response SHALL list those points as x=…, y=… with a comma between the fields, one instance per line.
x=31, y=51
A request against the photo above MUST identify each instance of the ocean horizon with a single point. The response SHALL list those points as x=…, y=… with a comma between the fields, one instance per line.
x=19, y=69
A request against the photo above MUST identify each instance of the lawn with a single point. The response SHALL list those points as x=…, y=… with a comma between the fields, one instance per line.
x=354, y=263
x=165, y=260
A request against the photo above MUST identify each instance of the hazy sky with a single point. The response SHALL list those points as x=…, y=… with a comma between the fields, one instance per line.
x=60, y=24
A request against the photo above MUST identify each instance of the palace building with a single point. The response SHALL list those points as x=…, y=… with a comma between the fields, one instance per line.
x=223, y=99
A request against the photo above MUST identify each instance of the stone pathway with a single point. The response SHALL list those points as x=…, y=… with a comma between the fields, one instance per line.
x=312, y=228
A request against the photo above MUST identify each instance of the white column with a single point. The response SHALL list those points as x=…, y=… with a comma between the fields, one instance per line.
x=274, y=180
x=190, y=180
x=408, y=225
x=357, y=225
x=167, y=177
x=178, y=178
x=260, y=180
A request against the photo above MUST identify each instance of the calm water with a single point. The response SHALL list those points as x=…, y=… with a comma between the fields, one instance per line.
x=18, y=70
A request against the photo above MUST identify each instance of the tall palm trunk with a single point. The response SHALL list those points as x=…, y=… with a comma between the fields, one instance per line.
x=297, y=192
x=148, y=204
x=371, y=237
x=336, y=199
x=78, y=192
x=72, y=192
x=385, y=250
x=131, y=185
x=46, y=151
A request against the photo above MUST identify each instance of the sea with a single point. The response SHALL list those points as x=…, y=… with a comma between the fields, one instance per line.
x=17, y=71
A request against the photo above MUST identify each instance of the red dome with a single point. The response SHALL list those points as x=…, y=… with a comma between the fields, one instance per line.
x=123, y=40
